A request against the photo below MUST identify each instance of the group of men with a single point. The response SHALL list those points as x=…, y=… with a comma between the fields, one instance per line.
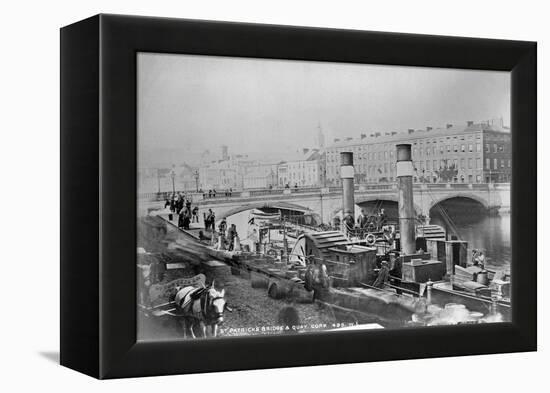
x=209, y=220
x=181, y=204
x=478, y=259
x=212, y=193
x=364, y=221
x=227, y=234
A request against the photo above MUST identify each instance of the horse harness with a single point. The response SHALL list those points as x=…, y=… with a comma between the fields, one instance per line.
x=205, y=300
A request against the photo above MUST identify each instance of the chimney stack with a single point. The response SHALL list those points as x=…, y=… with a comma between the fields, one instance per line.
x=347, y=174
x=225, y=153
x=470, y=123
x=428, y=128
x=449, y=125
x=404, y=172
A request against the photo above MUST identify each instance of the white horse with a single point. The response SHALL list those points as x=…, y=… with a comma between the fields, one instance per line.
x=203, y=307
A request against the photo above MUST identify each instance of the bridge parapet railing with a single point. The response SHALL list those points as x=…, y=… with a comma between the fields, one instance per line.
x=223, y=195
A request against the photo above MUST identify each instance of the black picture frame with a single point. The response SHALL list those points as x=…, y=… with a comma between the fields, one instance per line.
x=98, y=194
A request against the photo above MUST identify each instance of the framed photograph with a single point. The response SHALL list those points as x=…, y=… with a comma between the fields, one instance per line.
x=296, y=196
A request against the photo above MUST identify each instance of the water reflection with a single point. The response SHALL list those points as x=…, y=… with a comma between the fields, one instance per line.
x=481, y=231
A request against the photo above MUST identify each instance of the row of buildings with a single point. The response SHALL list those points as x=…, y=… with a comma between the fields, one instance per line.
x=302, y=168
x=465, y=153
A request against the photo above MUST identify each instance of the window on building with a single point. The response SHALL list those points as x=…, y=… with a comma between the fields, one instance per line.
x=478, y=163
x=495, y=163
x=495, y=148
x=455, y=148
x=448, y=148
x=509, y=163
x=487, y=148
x=462, y=163
x=478, y=147
x=488, y=163
x=428, y=165
x=470, y=148
x=463, y=148
x=470, y=163
x=435, y=165
x=501, y=148
x=502, y=163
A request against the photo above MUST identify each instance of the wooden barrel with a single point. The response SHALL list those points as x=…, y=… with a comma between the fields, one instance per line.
x=483, y=277
x=258, y=280
x=276, y=290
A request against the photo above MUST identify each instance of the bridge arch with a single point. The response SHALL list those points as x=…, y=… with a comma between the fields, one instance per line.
x=262, y=205
x=471, y=196
x=384, y=198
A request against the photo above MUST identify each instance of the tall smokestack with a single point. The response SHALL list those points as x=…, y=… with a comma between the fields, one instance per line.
x=347, y=173
x=404, y=173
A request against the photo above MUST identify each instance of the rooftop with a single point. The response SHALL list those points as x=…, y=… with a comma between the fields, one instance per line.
x=428, y=132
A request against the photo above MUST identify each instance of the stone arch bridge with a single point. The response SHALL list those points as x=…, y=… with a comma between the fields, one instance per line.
x=327, y=202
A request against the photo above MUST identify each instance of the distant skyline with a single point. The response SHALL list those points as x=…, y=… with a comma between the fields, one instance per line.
x=189, y=103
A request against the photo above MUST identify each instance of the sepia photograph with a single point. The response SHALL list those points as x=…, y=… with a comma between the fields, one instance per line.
x=294, y=197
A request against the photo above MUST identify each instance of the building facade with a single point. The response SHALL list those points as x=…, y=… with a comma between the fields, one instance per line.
x=225, y=174
x=260, y=176
x=469, y=153
x=305, y=170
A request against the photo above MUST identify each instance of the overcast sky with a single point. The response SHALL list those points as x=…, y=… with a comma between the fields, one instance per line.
x=190, y=103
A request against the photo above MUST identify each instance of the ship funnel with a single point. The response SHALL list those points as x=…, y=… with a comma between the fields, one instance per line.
x=404, y=171
x=347, y=174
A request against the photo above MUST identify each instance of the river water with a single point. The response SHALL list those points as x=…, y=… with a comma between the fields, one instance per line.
x=488, y=233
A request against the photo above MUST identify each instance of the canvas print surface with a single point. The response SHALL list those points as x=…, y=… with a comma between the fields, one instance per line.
x=289, y=197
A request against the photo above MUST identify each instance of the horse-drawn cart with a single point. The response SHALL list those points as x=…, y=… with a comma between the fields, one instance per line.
x=193, y=304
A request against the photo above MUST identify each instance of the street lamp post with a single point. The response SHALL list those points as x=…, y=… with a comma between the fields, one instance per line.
x=196, y=175
x=173, y=176
x=158, y=180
